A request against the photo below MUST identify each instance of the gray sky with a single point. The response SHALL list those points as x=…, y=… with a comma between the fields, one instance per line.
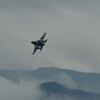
x=73, y=30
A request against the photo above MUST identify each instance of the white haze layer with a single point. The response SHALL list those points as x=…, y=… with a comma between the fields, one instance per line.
x=25, y=90
x=22, y=91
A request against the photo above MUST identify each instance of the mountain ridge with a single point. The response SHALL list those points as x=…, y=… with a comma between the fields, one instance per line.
x=76, y=80
x=57, y=90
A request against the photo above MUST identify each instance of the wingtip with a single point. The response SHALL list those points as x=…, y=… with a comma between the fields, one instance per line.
x=32, y=53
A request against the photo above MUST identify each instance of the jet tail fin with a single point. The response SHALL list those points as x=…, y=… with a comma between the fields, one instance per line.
x=45, y=40
x=43, y=36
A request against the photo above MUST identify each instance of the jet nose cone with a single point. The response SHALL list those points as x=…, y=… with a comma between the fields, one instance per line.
x=31, y=42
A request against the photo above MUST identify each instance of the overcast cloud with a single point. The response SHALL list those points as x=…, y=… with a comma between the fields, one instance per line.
x=73, y=30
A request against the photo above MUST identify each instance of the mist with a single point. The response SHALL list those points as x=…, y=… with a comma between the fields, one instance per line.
x=18, y=91
x=24, y=90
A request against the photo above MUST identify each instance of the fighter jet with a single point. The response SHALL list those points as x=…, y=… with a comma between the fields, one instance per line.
x=39, y=43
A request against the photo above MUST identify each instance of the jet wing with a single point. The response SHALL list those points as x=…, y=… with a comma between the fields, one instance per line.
x=35, y=49
x=43, y=36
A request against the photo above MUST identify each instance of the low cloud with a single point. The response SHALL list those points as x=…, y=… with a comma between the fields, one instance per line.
x=23, y=91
